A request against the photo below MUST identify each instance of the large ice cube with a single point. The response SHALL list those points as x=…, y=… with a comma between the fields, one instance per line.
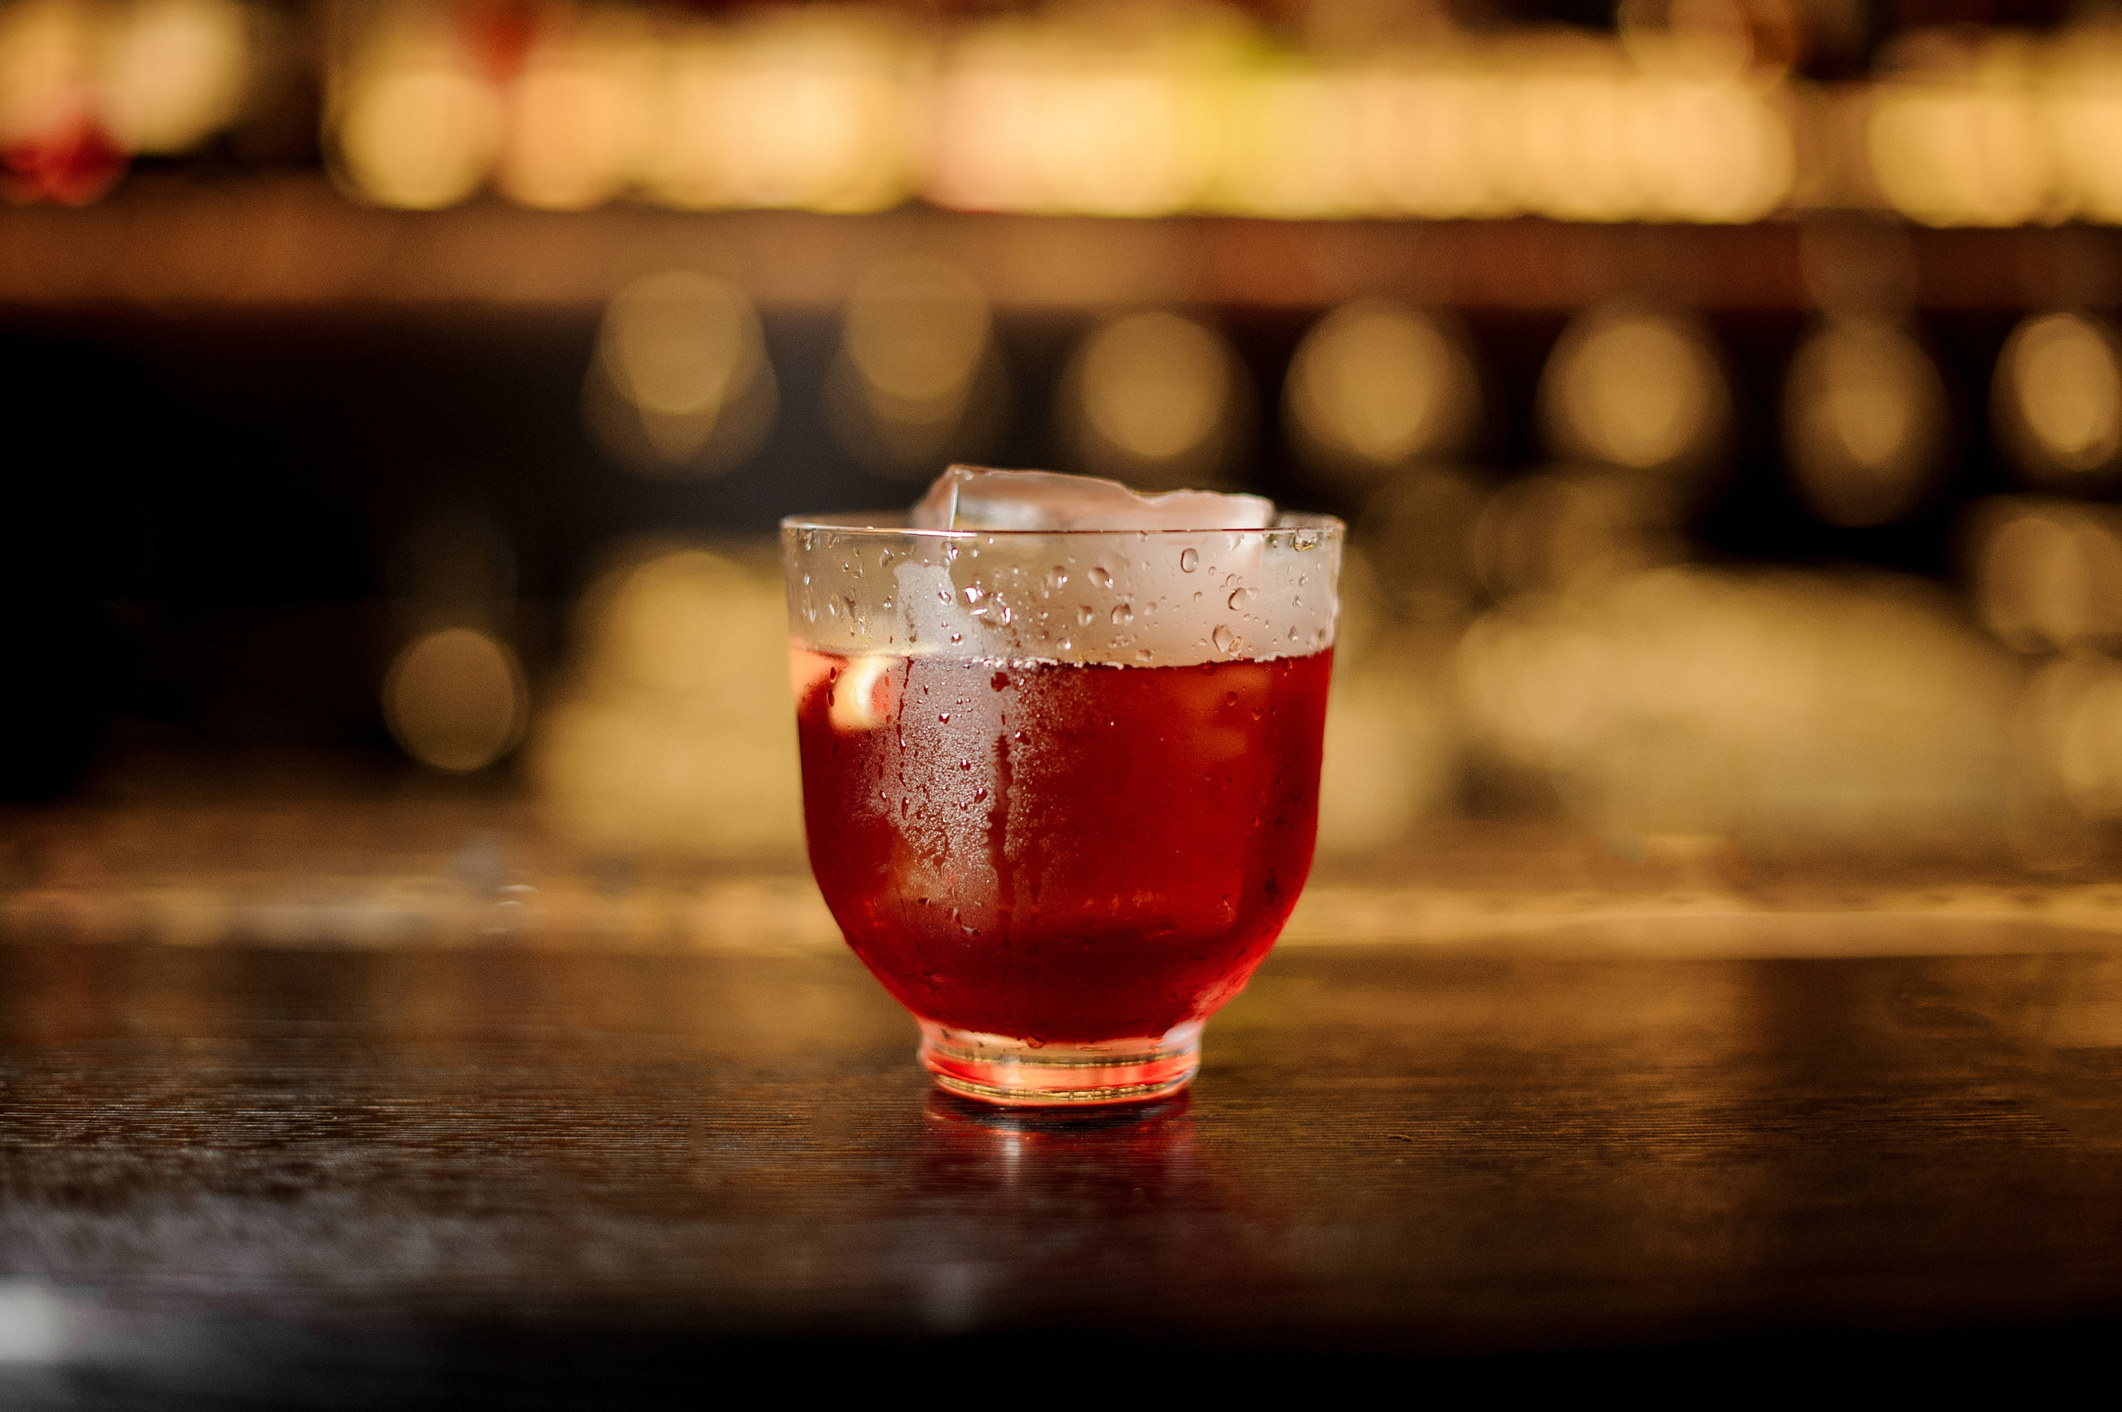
x=973, y=497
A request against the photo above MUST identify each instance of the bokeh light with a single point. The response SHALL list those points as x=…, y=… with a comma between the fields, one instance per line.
x=2058, y=396
x=914, y=356
x=2047, y=574
x=578, y=118
x=1775, y=710
x=681, y=383
x=455, y=699
x=675, y=734
x=1864, y=422
x=1571, y=533
x=1375, y=385
x=795, y=107
x=174, y=72
x=417, y=125
x=1958, y=134
x=2074, y=714
x=1634, y=389
x=1416, y=534
x=1153, y=395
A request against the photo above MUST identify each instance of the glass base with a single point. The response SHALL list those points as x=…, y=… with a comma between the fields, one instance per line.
x=1017, y=1073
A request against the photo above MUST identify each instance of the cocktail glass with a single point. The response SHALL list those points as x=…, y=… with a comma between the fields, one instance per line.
x=1060, y=788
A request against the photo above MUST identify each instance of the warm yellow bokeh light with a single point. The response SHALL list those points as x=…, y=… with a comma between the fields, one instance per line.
x=1633, y=389
x=174, y=72
x=1570, y=534
x=455, y=699
x=47, y=78
x=2074, y=716
x=916, y=328
x=683, y=351
x=1763, y=707
x=913, y=364
x=1375, y=385
x=2058, y=395
x=674, y=734
x=792, y=108
x=2048, y=574
x=1961, y=155
x=1864, y=419
x=1154, y=389
x=579, y=116
x=420, y=134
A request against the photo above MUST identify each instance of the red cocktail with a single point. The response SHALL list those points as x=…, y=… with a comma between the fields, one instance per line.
x=1064, y=852
x=1061, y=867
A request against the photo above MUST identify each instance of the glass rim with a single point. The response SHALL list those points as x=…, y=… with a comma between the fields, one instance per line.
x=861, y=523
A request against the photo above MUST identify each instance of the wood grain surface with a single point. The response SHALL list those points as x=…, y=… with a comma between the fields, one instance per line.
x=255, y=1169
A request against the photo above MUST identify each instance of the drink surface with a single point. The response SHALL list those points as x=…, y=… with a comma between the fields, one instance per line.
x=1063, y=853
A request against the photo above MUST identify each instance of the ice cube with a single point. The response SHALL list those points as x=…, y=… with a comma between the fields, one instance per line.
x=973, y=497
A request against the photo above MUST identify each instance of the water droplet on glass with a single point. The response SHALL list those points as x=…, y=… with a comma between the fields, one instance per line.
x=944, y=717
x=1005, y=615
x=957, y=637
x=1241, y=597
x=943, y=594
x=974, y=593
x=1226, y=641
x=1083, y=616
x=1123, y=614
x=1144, y=655
x=1189, y=560
x=980, y=794
x=1056, y=579
x=999, y=681
x=1100, y=577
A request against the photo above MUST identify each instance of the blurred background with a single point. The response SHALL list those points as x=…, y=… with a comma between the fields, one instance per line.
x=400, y=398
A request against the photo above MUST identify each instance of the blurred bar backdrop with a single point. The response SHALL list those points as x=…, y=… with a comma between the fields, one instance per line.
x=1725, y=393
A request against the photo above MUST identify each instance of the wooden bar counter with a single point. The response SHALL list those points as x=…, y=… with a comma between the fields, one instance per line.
x=533, y=1165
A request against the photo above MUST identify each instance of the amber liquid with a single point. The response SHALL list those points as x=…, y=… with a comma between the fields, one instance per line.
x=1062, y=853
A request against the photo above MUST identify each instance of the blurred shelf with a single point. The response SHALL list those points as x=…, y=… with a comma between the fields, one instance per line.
x=295, y=243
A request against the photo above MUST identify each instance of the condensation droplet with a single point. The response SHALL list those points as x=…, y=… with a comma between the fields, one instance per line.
x=1226, y=641
x=1084, y=614
x=1056, y=579
x=1241, y=597
x=1005, y=615
x=974, y=593
x=943, y=717
x=1123, y=614
x=1144, y=655
x=957, y=637
x=1189, y=560
x=1100, y=576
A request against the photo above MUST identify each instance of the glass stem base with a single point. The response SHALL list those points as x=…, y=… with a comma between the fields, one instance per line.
x=1019, y=1073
